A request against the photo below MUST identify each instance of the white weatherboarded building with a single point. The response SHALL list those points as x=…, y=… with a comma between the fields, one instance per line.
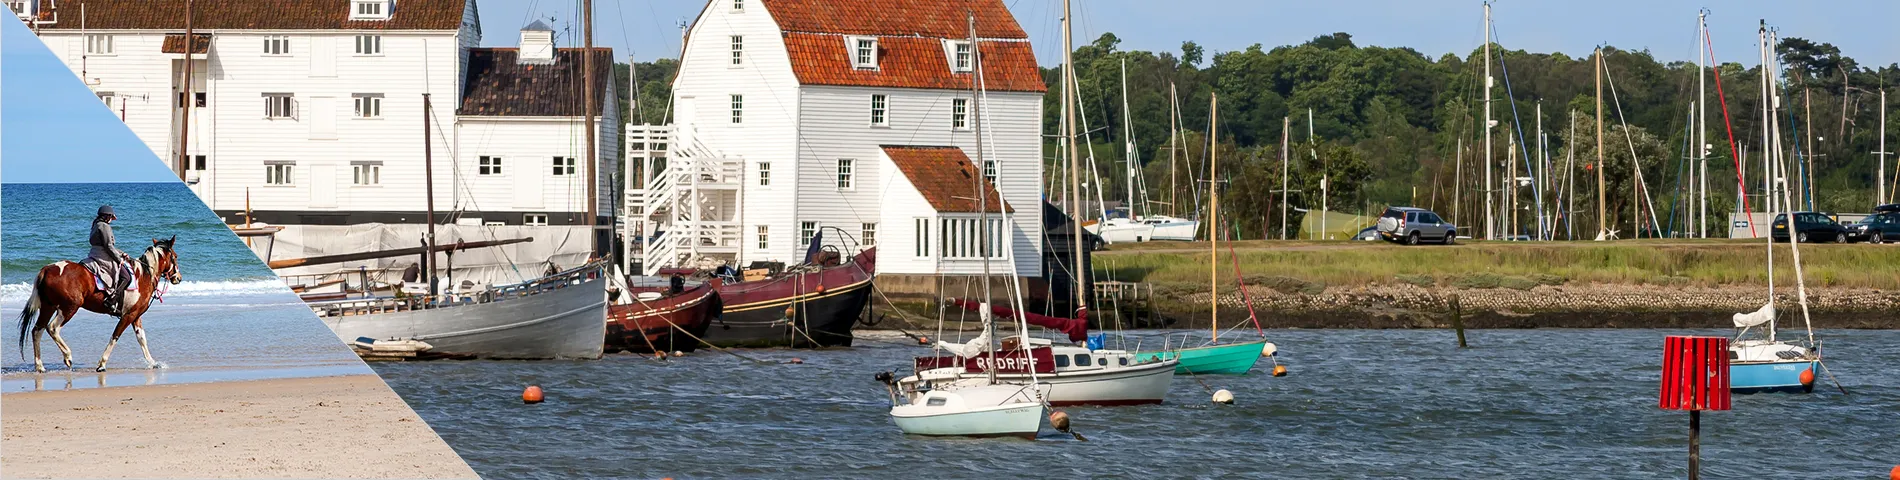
x=853, y=117
x=309, y=114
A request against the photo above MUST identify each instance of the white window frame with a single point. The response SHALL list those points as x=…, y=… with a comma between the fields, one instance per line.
x=863, y=51
x=280, y=105
x=806, y=230
x=738, y=109
x=921, y=236
x=867, y=234
x=847, y=174
x=738, y=6
x=101, y=44
x=765, y=237
x=368, y=105
x=276, y=45
x=564, y=166
x=960, y=114
x=487, y=165
x=880, y=110
x=369, y=45
x=765, y=174
x=366, y=173
x=280, y=174
x=198, y=163
x=962, y=239
x=534, y=219
x=738, y=50
x=989, y=172
x=360, y=10
x=961, y=55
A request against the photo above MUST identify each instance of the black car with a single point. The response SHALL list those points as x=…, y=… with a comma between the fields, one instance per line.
x=1879, y=227
x=1810, y=227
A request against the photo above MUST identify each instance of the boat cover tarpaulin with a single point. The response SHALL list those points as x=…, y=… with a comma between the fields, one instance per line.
x=1758, y=317
x=1076, y=328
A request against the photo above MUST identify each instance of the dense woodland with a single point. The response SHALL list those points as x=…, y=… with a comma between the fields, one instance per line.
x=1388, y=120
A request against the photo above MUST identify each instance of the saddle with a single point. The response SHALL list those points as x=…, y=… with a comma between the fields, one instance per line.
x=104, y=277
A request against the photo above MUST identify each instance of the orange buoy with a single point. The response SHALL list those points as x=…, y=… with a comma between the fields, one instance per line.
x=1060, y=420
x=531, y=395
x=659, y=355
x=1279, y=370
x=796, y=361
x=821, y=289
x=1894, y=474
x=1807, y=377
x=790, y=312
x=923, y=340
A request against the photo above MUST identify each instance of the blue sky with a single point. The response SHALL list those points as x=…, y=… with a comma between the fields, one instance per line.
x=52, y=128
x=1863, y=29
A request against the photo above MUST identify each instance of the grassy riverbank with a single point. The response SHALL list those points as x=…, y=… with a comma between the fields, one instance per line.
x=1306, y=266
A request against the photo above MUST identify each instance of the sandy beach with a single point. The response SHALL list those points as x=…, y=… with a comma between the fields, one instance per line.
x=349, y=426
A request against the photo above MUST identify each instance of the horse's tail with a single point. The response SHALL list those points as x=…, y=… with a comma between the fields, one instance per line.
x=32, y=307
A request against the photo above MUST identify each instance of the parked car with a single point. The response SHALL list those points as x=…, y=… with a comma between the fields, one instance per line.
x=1881, y=227
x=1810, y=227
x=1367, y=234
x=1410, y=225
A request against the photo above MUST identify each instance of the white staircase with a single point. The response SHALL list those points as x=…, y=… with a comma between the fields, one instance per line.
x=687, y=208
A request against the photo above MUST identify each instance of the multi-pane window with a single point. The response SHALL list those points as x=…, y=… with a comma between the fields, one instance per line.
x=276, y=45
x=846, y=175
x=278, y=173
x=367, y=173
x=738, y=49
x=960, y=113
x=197, y=163
x=200, y=103
x=806, y=230
x=965, y=238
x=765, y=174
x=867, y=232
x=563, y=166
x=922, y=238
x=98, y=44
x=738, y=6
x=960, y=56
x=535, y=219
x=279, y=105
x=368, y=105
x=370, y=10
x=880, y=110
x=765, y=238
x=738, y=108
x=864, y=53
x=487, y=165
x=369, y=44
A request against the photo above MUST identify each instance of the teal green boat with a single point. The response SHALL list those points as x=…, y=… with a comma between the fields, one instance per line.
x=1225, y=359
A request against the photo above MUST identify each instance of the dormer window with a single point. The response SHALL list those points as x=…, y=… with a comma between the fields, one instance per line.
x=738, y=6
x=369, y=9
x=863, y=52
x=961, y=56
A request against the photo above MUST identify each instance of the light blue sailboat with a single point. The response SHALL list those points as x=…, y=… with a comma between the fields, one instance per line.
x=1763, y=363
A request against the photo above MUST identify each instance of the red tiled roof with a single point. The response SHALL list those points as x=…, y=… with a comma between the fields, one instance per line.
x=175, y=43
x=910, y=62
x=255, y=15
x=498, y=85
x=910, y=48
x=921, y=18
x=944, y=176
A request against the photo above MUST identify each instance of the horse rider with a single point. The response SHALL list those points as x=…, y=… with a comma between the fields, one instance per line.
x=108, y=256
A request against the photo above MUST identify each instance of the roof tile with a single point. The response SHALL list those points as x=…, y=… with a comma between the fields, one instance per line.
x=255, y=15
x=944, y=176
x=498, y=85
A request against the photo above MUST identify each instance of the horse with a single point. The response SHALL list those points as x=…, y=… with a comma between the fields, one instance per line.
x=62, y=288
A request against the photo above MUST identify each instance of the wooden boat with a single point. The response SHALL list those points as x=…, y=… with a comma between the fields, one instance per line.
x=655, y=320
x=808, y=306
x=560, y=316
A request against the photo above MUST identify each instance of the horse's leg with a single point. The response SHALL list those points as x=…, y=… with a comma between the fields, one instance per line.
x=116, y=331
x=138, y=328
x=37, y=333
x=58, y=322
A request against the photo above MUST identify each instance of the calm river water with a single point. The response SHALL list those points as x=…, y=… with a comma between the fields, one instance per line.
x=1358, y=404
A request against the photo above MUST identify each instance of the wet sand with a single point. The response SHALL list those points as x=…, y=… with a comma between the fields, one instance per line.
x=350, y=426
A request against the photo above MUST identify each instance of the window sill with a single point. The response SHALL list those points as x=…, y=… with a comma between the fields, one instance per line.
x=366, y=118
x=367, y=55
x=883, y=126
x=359, y=185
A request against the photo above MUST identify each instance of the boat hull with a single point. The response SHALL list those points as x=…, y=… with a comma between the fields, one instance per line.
x=1019, y=420
x=1136, y=385
x=1228, y=359
x=558, y=323
x=824, y=306
x=668, y=324
x=1182, y=231
x=1774, y=376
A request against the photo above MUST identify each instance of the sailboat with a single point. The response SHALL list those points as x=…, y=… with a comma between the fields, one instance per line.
x=1214, y=358
x=1763, y=362
x=1128, y=228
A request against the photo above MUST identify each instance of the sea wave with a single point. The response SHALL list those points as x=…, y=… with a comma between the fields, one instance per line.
x=18, y=292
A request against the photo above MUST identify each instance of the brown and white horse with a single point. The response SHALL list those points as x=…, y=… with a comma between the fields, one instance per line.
x=62, y=288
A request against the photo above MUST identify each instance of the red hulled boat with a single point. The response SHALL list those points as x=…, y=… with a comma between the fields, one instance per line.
x=656, y=316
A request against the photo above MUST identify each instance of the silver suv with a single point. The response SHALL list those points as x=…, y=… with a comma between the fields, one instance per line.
x=1411, y=225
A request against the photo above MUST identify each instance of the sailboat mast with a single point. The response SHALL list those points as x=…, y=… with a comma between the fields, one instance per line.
x=1174, y=133
x=1768, y=170
x=588, y=103
x=1286, y=124
x=1702, y=123
x=1075, y=162
x=1880, y=157
x=1128, y=140
x=428, y=191
x=1603, y=229
x=1213, y=217
x=982, y=200
x=1489, y=226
